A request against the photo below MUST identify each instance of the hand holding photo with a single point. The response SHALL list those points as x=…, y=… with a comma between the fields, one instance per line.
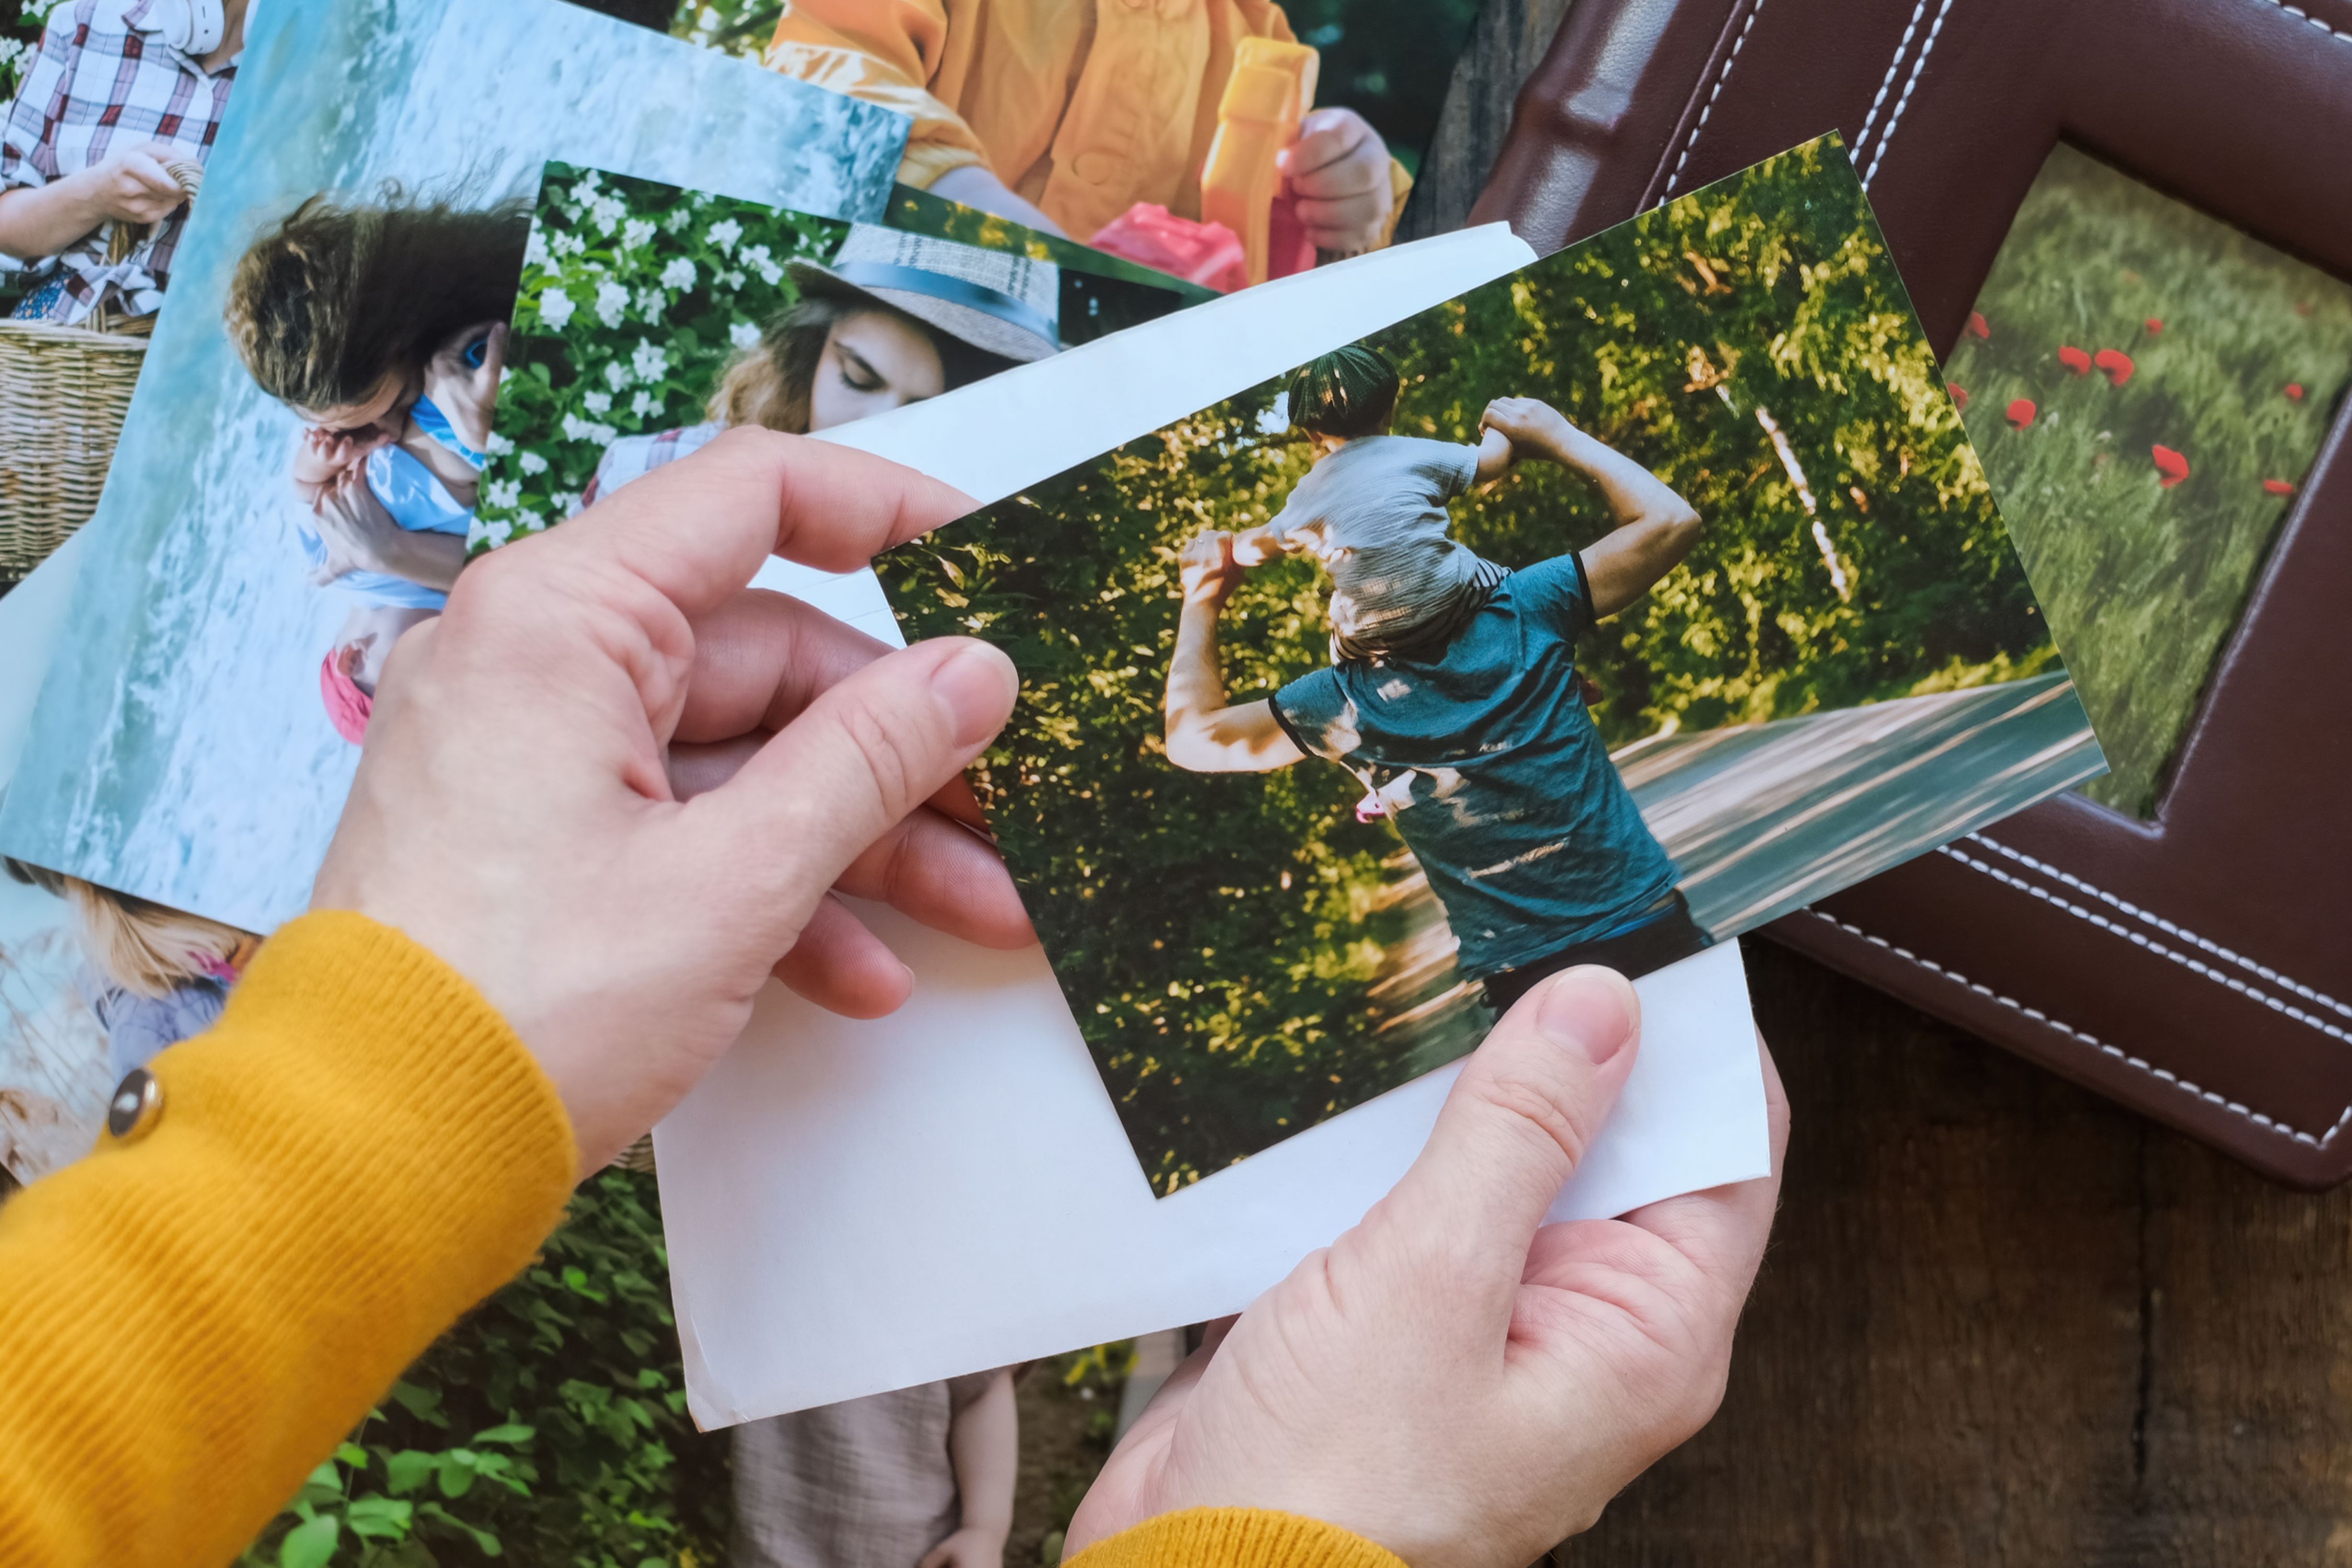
x=1637, y=599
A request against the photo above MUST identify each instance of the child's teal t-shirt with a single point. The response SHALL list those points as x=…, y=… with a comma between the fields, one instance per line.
x=1491, y=768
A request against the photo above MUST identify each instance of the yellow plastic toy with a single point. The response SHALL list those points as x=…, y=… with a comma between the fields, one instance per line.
x=1270, y=91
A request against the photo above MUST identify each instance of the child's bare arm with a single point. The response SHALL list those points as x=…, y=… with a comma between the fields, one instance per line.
x=984, y=1449
x=1257, y=546
x=1496, y=455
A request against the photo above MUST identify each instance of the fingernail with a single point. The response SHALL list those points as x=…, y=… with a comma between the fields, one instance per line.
x=1593, y=1010
x=978, y=684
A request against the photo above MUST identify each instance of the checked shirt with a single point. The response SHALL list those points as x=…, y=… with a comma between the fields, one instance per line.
x=104, y=80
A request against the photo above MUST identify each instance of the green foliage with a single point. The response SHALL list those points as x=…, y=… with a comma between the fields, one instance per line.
x=2143, y=583
x=548, y=1427
x=1226, y=937
x=633, y=297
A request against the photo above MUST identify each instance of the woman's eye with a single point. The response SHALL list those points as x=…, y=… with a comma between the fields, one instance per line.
x=859, y=377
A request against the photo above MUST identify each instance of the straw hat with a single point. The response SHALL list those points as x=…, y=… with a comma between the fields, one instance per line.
x=1004, y=304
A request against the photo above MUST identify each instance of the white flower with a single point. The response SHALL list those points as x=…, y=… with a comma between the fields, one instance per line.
x=531, y=463
x=606, y=212
x=617, y=375
x=597, y=403
x=529, y=522
x=590, y=183
x=763, y=263
x=486, y=532
x=644, y=405
x=725, y=233
x=743, y=335
x=735, y=279
x=567, y=245
x=555, y=308
x=565, y=505
x=635, y=233
x=502, y=494
x=578, y=429
x=651, y=303
x=611, y=302
x=678, y=274
x=535, y=253
x=650, y=362
x=499, y=446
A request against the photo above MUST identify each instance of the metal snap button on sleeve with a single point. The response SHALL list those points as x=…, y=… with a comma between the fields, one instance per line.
x=136, y=1108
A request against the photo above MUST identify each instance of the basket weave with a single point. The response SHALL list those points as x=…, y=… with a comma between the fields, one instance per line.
x=63, y=394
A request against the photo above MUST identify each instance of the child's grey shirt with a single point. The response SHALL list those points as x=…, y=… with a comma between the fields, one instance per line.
x=1374, y=513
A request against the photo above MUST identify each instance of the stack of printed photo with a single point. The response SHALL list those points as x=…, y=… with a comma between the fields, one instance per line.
x=1395, y=629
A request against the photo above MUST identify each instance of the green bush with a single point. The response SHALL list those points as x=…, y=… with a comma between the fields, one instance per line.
x=549, y=1428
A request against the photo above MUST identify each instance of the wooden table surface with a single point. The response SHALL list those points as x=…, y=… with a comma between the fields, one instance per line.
x=2002, y=1322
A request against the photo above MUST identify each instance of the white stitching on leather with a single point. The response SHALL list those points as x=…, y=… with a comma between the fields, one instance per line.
x=1910, y=83
x=2178, y=933
x=1721, y=77
x=2268, y=1123
x=2307, y=16
x=2195, y=967
x=1886, y=84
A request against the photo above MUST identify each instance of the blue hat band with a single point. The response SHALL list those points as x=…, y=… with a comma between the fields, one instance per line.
x=952, y=291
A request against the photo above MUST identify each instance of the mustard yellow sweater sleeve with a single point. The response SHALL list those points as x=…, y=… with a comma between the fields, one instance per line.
x=1234, y=1537
x=357, y=1153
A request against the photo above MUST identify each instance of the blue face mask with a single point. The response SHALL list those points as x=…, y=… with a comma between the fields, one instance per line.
x=192, y=27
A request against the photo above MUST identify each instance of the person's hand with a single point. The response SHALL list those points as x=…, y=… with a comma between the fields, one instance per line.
x=325, y=455
x=468, y=394
x=975, y=185
x=133, y=185
x=513, y=810
x=359, y=533
x=1338, y=171
x=1206, y=567
x=1454, y=1379
x=1530, y=423
x=967, y=1548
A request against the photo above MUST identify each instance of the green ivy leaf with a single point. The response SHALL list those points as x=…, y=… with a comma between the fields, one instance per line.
x=380, y=1519
x=408, y=1468
x=512, y=1432
x=455, y=1473
x=309, y=1544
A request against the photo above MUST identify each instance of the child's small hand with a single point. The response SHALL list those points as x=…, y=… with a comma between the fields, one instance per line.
x=1254, y=547
x=967, y=1548
x=1338, y=171
x=1530, y=423
x=1207, y=568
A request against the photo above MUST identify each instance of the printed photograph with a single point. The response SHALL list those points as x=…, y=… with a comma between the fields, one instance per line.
x=295, y=480
x=2148, y=386
x=1598, y=615
x=650, y=317
x=1223, y=141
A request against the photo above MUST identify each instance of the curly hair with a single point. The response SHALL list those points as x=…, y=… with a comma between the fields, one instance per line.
x=337, y=295
x=769, y=384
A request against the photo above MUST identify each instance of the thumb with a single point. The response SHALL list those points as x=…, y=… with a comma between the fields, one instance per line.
x=1512, y=1131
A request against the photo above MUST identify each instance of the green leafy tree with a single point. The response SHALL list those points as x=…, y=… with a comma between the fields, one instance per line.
x=1231, y=942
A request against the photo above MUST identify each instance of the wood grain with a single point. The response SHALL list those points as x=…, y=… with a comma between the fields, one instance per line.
x=2003, y=1321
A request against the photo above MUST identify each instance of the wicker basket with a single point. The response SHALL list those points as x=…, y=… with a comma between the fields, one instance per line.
x=63, y=394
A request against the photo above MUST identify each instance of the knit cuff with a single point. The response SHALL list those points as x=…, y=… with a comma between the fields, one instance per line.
x=1236, y=1538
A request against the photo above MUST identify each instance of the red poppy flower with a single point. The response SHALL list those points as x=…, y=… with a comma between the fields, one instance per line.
x=2154, y=326
x=2020, y=413
x=1959, y=394
x=2171, y=465
x=2294, y=391
x=2075, y=360
x=1977, y=325
x=2117, y=364
x=2278, y=487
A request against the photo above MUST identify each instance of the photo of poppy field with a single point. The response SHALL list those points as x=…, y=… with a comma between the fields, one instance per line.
x=2147, y=387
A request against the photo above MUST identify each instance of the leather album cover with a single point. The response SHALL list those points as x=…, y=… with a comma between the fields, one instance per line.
x=2127, y=225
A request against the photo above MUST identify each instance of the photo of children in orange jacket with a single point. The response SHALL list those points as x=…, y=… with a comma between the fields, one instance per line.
x=1100, y=121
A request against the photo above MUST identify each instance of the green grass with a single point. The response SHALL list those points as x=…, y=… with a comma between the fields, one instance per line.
x=2143, y=585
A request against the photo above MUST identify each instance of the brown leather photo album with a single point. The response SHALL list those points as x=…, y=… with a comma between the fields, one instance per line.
x=2127, y=226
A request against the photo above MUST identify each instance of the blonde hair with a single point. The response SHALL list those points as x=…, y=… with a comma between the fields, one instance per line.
x=145, y=948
